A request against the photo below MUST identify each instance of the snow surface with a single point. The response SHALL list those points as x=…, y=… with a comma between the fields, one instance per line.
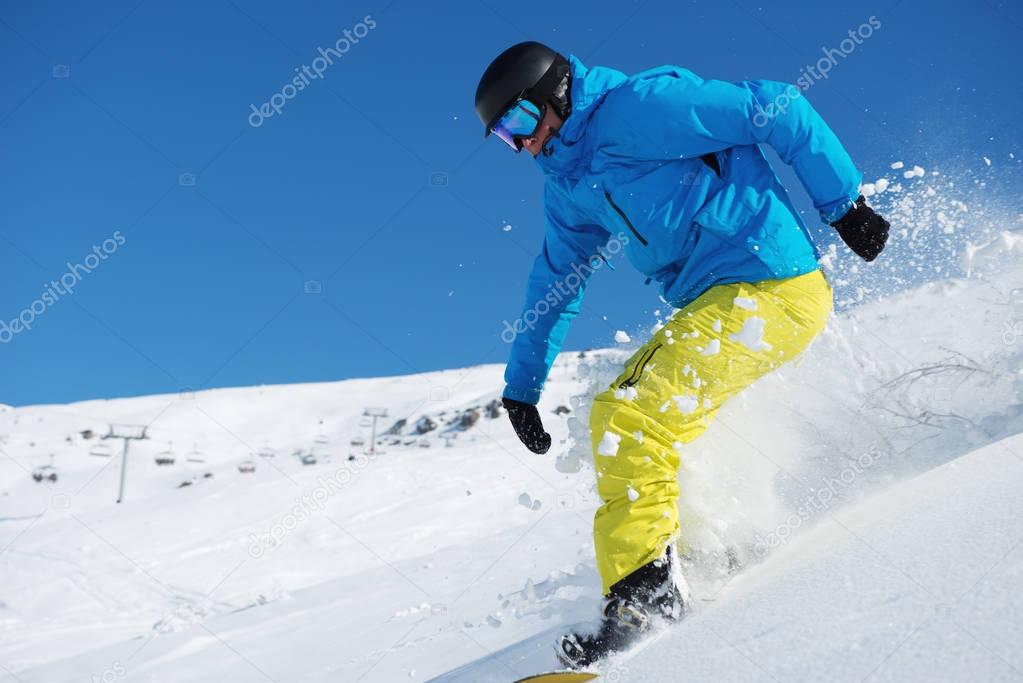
x=869, y=494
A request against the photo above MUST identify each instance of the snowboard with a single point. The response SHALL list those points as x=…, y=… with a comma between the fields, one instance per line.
x=559, y=677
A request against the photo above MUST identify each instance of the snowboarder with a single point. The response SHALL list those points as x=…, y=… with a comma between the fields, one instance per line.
x=667, y=167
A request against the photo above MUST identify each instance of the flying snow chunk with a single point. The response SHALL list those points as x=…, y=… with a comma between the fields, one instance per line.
x=609, y=444
x=880, y=185
x=506, y=227
x=627, y=393
x=712, y=348
x=987, y=161
x=638, y=436
x=752, y=335
x=717, y=325
x=915, y=172
x=622, y=338
x=633, y=494
x=686, y=404
x=745, y=302
x=897, y=165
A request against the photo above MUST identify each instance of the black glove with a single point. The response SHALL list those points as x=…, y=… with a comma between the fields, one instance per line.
x=863, y=230
x=525, y=418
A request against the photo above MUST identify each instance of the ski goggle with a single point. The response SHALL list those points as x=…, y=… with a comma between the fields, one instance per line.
x=521, y=121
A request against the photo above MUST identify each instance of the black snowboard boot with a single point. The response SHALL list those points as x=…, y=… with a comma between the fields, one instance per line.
x=654, y=591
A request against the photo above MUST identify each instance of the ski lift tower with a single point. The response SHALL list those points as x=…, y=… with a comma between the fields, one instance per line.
x=374, y=413
x=126, y=433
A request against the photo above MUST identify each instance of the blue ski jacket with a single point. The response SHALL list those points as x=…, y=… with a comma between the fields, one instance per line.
x=666, y=167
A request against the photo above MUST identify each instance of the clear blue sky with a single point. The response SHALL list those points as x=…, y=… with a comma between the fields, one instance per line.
x=105, y=105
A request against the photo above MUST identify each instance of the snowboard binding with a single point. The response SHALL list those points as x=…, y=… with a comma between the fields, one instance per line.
x=655, y=591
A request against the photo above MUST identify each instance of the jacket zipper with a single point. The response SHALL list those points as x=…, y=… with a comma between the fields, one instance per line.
x=625, y=218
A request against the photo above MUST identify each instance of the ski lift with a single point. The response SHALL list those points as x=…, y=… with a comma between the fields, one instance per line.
x=196, y=455
x=321, y=439
x=308, y=459
x=247, y=467
x=266, y=451
x=101, y=450
x=45, y=472
x=365, y=422
x=358, y=441
x=165, y=457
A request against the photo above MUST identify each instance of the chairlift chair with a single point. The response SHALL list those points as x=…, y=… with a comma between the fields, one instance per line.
x=321, y=439
x=45, y=472
x=196, y=455
x=266, y=451
x=165, y=457
x=101, y=450
x=247, y=467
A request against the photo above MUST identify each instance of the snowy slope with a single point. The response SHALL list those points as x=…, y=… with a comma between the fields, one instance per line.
x=917, y=583
x=871, y=490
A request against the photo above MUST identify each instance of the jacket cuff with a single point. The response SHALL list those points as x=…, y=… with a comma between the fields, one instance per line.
x=530, y=396
x=835, y=210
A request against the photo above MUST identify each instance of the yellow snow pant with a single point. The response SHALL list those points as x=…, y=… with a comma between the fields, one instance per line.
x=705, y=354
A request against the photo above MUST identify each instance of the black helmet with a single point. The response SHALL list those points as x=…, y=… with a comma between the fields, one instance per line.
x=528, y=69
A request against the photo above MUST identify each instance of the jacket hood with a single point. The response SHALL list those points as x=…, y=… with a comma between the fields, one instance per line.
x=567, y=154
